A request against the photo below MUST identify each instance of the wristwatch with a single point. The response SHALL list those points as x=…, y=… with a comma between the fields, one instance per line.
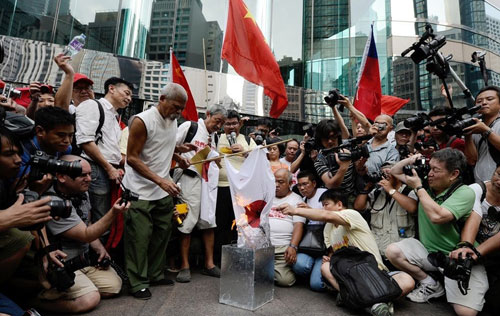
x=487, y=134
x=293, y=246
x=392, y=191
x=418, y=188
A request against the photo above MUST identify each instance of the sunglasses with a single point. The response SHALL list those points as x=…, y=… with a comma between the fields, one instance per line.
x=493, y=213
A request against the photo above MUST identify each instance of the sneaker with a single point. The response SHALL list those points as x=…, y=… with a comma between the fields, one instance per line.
x=143, y=294
x=165, y=281
x=184, y=276
x=424, y=292
x=214, y=272
x=380, y=309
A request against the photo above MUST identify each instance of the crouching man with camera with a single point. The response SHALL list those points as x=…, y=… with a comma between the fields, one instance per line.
x=441, y=207
x=86, y=276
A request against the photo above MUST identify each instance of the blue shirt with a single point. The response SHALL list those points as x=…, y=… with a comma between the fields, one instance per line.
x=29, y=148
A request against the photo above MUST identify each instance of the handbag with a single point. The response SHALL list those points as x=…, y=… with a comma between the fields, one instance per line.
x=313, y=241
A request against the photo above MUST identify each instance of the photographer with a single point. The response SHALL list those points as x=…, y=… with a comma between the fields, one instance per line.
x=381, y=149
x=405, y=139
x=482, y=141
x=387, y=204
x=93, y=280
x=341, y=173
x=442, y=139
x=41, y=96
x=445, y=203
x=54, y=129
x=483, y=226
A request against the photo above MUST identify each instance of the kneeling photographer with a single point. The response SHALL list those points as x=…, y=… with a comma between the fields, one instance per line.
x=388, y=204
x=442, y=206
x=86, y=276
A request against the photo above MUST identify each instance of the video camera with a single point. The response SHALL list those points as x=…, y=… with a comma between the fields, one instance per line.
x=420, y=166
x=62, y=278
x=41, y=163
x=417, y=122
x=456, y=269
x=58, y=207
x=456, y=123
x=356, y=152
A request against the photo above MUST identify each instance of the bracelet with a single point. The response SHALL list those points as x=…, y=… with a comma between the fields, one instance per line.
x=487, y=134
x=293, y=246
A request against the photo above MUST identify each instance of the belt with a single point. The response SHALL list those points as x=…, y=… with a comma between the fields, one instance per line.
x=190, y=173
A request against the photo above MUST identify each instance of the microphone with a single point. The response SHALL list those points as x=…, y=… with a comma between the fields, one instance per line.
x=232, y=138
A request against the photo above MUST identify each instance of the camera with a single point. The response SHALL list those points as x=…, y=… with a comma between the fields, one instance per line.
x=308, y=129
x=10, y=92
x=41, y=163
x=404, y=151
x=374, y=177
x=422, y=143
x=456, y=123
x=420, y=166
x=456, y=269
x=62, y=278
x=333, y=98
x=58, y=207
x=259, y=137
x=128, y=196
x=356, y=151
x=419, y=121
x=310, y=145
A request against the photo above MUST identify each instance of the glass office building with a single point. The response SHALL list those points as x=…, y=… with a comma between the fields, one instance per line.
x=335, y=33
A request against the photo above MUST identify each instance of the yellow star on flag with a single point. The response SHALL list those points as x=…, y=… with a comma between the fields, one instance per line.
x=249, y=15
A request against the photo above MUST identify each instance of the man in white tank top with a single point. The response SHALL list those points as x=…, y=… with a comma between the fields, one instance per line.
x=148, y=224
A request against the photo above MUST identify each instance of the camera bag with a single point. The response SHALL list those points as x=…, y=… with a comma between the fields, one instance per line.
x=313, y=242
x=361, y=282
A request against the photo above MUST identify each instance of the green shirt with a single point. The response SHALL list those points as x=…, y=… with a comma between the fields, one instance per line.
x=444, y=237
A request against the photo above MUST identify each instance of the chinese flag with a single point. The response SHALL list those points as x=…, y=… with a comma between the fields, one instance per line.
x=247, y=51
x=189, y=112
x=369, y=93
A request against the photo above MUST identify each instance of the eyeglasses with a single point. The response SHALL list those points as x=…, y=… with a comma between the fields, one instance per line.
x=493, y=213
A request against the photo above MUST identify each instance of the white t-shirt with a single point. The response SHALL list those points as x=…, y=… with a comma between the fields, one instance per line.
x=489, y=226
x=282, y=225
x=200, y=139
x=315, y=203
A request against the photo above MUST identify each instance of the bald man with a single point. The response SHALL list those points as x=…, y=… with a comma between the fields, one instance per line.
x=381, y=149
x=76, y=238
x=148, y=224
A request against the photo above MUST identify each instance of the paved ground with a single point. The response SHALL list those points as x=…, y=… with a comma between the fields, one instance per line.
x=201, y=297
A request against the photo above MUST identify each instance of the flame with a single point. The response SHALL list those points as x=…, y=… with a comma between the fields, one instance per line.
x=241, y=200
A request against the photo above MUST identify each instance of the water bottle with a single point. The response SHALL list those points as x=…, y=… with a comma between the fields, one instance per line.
x=75, y=45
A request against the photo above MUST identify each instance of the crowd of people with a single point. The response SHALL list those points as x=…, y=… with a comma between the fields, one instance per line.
x=75, y=179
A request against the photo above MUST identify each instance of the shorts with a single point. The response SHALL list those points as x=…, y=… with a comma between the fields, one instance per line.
x=87, y=280
x=416, y=254
x=12, y=240
x=191, y=195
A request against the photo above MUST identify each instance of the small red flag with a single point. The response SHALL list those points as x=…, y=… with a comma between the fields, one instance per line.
x=369, y=93
x=247, y=51
x=189, y=112
x=390, y=105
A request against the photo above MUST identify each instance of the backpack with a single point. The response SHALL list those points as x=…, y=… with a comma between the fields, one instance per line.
x=77, y=150
x=361, y=282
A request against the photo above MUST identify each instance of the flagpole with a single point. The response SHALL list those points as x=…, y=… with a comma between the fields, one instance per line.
x=171, y=70
x=205, y=66
x=241, y=153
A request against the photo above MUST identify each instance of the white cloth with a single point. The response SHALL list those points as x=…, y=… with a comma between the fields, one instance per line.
x=281, y=224
x=209, y=182
x=252, y=193
x=87, y=121
x=314, y=202
x=236, y=161
x=156, y=154
x=200, y=139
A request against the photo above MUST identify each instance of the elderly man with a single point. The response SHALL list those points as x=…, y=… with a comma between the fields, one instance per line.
x=148, y=223
x=286, y=230
x=199, y=134
x=381, y=149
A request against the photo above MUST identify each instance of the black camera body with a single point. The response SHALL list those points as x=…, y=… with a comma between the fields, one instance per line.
x=457, y=269
x=333, y=98
x=420, y=166
x=356, y=151
x=310, y=145
x=128, y=196
x=423, y=143
x=417, y=122
x=58, y=208
x=62, y=278
x=259, y=137
x=41, y=163
x=308, y=129
x=404, y=151
x=374, y=177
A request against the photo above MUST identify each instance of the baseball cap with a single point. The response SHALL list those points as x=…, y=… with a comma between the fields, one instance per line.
x=401, y=127
x=82, y=77
x=45, y=88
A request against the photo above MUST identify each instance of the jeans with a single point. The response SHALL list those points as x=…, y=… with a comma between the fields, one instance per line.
x=307, y=265
x=99, y=192
x=9, y=307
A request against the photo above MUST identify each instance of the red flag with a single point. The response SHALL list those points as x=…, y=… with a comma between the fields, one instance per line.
x=189, y=112
x=369, y=94
x=247, y=51
x=390, y=105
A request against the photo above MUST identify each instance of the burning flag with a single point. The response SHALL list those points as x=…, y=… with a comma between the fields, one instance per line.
x=252, y=191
